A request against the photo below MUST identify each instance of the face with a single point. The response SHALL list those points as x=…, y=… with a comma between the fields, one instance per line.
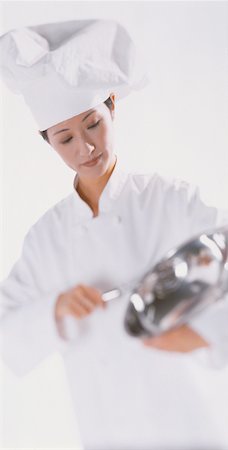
x=85, y=142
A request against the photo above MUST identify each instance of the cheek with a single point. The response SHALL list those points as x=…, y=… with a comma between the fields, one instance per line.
x=68, y=154
x=62, y=153
x=105, y=138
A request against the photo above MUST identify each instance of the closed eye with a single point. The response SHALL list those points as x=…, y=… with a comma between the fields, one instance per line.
x=91, y=126
x=94, y=125
x=66, y=141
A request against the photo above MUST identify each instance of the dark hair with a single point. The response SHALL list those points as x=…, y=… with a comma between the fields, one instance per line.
x=44, y=135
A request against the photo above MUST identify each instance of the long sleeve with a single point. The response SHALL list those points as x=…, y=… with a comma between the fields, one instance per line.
x=189, y=215
x=27, y=325
x=212, y=323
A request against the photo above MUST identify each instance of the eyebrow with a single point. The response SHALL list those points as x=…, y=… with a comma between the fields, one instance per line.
x=60, y=131
x=84, y=118
x=87, y=115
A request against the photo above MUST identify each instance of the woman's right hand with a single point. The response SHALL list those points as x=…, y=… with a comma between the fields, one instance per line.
x=78, y=302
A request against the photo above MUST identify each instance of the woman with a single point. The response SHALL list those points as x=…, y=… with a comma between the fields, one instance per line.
x=107, y=233
x=94, y=164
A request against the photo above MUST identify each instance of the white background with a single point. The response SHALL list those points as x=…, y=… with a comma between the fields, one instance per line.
x=177, y=126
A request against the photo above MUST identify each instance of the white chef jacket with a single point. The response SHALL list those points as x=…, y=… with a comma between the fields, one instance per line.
x=126, y=396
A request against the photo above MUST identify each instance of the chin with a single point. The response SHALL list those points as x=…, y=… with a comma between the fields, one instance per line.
x=99, y=168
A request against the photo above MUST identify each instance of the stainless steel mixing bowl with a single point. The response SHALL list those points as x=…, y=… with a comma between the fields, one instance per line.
x=183, y=283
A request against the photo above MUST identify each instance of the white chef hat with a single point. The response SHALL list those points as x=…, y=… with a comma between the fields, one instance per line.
x=63, y=69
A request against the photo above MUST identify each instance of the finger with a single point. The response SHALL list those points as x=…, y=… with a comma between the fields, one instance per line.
x=77, y=309
x=93, y=294
x=181, y=340
x=85, y=303
x=81, y=297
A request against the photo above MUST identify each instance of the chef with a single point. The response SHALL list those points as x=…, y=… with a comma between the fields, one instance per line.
x=108, y=232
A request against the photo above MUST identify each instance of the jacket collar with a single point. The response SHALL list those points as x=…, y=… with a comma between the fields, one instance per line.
x=108, y=197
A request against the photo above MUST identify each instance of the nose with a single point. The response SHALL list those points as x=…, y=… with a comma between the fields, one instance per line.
x=86, y=149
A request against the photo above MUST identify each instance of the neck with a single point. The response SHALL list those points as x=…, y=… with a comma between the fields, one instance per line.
x=90, y=190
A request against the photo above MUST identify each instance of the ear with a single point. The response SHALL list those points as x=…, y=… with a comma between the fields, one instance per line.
x=113, y=99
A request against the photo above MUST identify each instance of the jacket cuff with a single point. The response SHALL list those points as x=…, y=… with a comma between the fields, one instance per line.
x=29, y=334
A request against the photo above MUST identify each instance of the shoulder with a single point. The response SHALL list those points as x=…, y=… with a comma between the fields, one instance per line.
x=160, y=185
x=54, y=218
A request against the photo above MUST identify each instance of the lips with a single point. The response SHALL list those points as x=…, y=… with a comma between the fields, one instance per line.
x=92, y=162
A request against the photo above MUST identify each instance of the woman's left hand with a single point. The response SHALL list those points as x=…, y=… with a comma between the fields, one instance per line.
x=182, y=340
